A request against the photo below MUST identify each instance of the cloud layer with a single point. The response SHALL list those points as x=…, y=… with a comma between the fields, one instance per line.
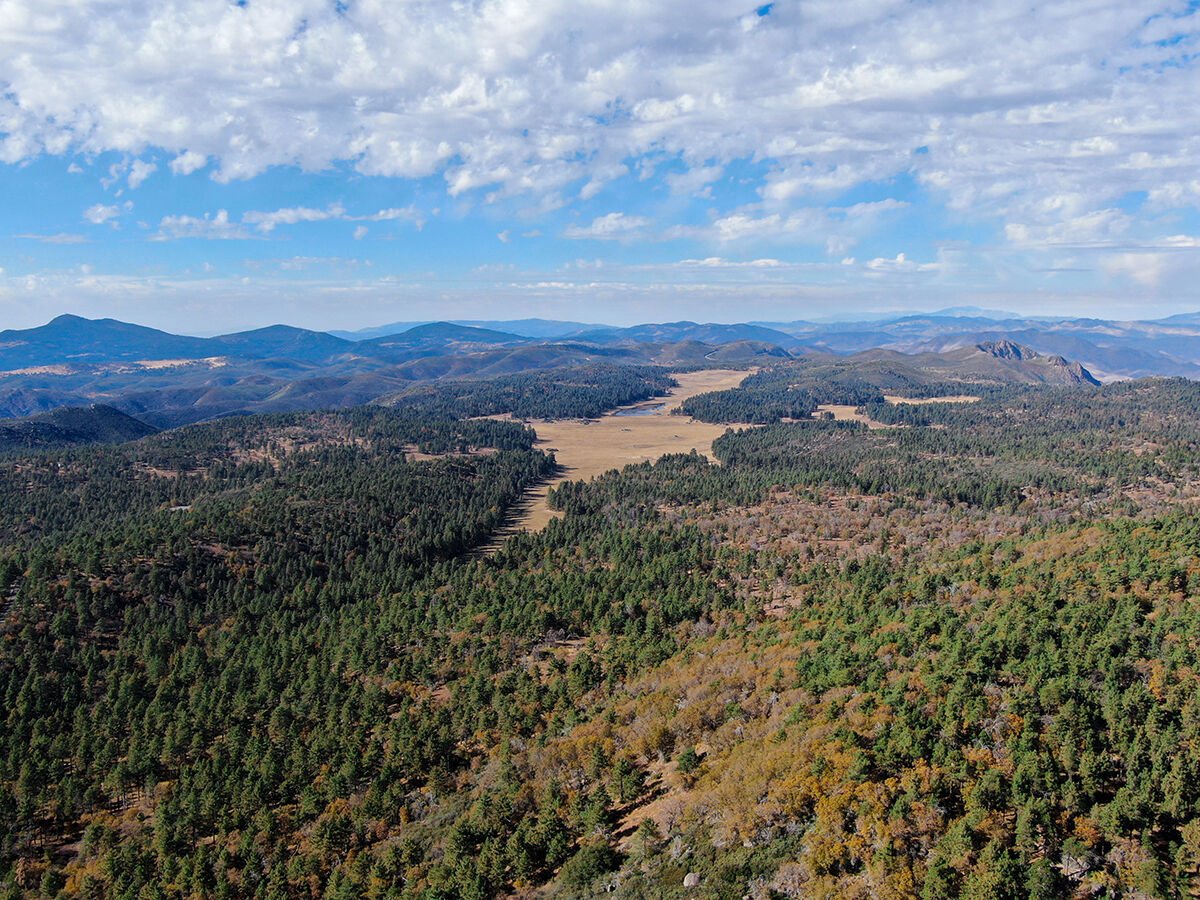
x=1041, y=115
x=836, y=152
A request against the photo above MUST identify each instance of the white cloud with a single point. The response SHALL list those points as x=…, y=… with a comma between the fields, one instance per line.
x=100, y=213
x=615, y=226
x=991, y=107
x=60, y=238
x=1170, y=266
x=694, y=180
x=216, y=228
x=901, y=264
x=395, y=214
x=1183, y=241
x=266, y=222
x=838, y=228
x=716, y=262
x=188, y=162
x=1144, y=269
x=220, y=226
x=139, y=171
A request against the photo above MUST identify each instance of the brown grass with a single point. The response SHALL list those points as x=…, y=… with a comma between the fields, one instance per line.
x=589, y=447
x=848, y=414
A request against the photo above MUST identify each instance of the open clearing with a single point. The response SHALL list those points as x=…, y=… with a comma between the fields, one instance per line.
x=844, y=413
x=645, y=431
x=851, y=414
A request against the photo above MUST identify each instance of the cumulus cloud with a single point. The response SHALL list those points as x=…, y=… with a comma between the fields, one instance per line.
x=139, y=171
x=188, y=162
x=990, y=106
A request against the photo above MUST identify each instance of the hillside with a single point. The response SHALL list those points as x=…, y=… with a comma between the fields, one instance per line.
x=949, y=659
x=1006, y=361
x=71, y=426
x=795, y=389
x=69, y=340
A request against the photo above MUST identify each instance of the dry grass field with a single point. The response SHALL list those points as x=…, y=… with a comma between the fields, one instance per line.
x=589, y=447
x=844, y=413
x=851, y=414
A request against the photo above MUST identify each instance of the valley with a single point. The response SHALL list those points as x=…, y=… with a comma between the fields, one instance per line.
x=643, y=432
x=937, y=645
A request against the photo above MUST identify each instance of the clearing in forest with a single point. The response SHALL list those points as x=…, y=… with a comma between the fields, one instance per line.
x=847, y=413
x=645, y=431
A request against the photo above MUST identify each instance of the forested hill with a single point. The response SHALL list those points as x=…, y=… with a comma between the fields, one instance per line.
x=794, y=389
x=70, y=426
x=951, y=658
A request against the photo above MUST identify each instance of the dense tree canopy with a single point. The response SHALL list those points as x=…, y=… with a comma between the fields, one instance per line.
x=952, y=657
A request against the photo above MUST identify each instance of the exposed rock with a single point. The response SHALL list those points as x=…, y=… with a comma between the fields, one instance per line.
x=1006, y=349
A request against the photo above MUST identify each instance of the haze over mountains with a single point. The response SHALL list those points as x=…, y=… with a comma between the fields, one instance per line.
x=167, y=379
x=1108, y=348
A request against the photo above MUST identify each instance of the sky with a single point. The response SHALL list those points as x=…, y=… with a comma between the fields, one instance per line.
x=212, y=166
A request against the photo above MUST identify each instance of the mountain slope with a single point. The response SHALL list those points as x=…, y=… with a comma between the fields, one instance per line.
x=73, y=339
x=709, y=333
x=72, y=426
x=282, y=341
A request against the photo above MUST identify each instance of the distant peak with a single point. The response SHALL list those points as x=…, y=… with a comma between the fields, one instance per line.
x=1006, y=349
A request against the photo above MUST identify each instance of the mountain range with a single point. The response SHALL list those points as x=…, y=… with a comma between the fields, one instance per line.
x=167, y=379
x=1110, y=349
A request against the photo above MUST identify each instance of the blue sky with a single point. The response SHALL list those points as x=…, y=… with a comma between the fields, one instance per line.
x=206, y=168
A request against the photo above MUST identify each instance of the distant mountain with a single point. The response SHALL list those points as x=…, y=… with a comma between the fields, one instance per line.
x=434, y=339
x=1192, y=318
x=535, y=328
x=1002, y=361
x=447, y=332
x=71, y=426
x=1040, y=367
x=73, y=339
x=528, y=328
x=281, y=341
x=1109, y=349
x=710, y=333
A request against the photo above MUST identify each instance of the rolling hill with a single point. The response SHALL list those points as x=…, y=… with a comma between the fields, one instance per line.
x=71, y=426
